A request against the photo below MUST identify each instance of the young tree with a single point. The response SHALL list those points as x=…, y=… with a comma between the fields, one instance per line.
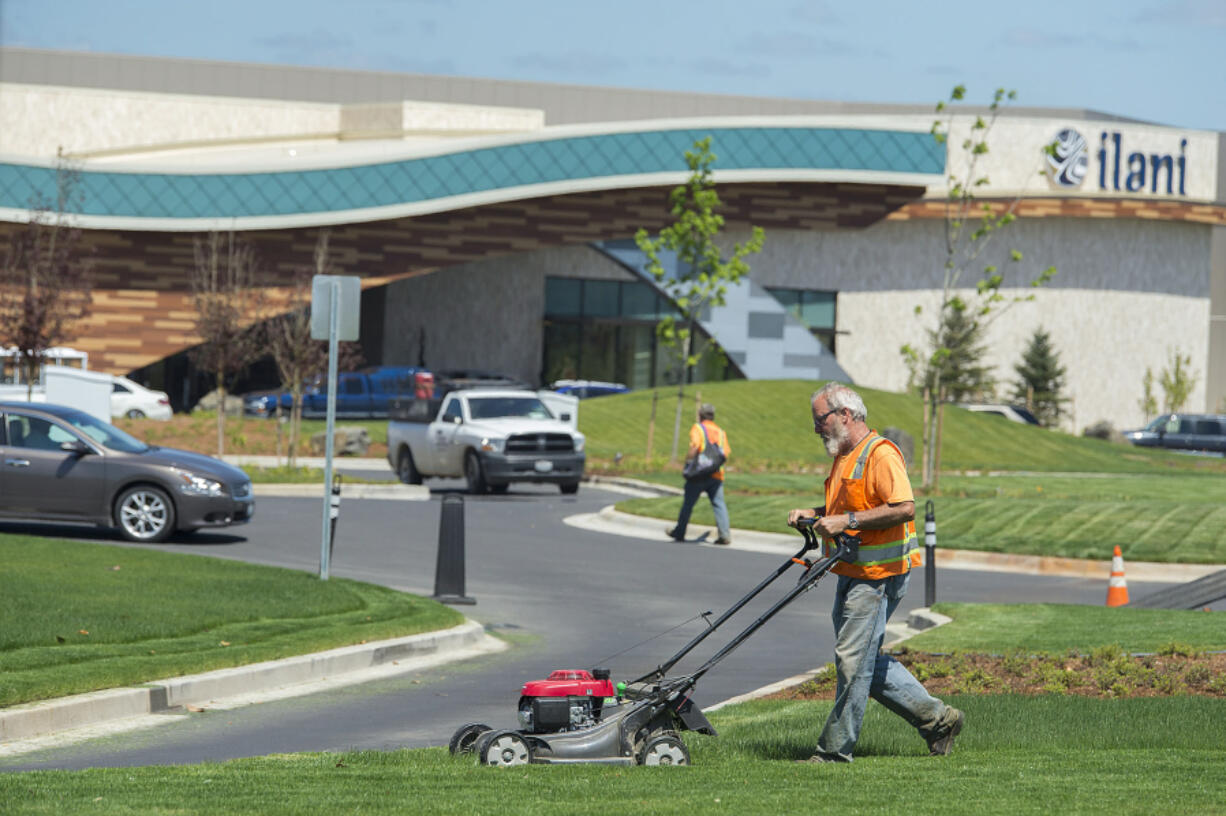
x=45, y=280
x=226, y=303
x=1040, y=383
x=1148, y=402
x=703, y=274
x=961, y=371
x=297, y=355
x=1177, y=381
x=970, y=226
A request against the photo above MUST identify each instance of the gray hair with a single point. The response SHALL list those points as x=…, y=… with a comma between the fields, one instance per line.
x=706, y=411
x=839, y=396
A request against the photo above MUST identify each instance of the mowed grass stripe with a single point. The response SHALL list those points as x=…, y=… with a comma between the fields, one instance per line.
x=1016, y=755
x=1162, y=531
x=80, y=616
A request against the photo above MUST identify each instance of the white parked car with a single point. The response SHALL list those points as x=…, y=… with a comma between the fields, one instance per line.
x=132, y=400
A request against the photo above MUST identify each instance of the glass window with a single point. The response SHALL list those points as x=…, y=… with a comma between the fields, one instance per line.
x=639, y=301
x=563, y=297
x=600, y=298
x=494, y=407
x=634, y=355
x=599, y=351
x=561, y=351
x=453, y=411
x=351, y=385
x=817, y=310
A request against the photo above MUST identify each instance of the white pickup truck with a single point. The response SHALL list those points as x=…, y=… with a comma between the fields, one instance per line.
x=491, y=437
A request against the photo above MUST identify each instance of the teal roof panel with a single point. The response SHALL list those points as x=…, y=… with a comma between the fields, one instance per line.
x=515, y=167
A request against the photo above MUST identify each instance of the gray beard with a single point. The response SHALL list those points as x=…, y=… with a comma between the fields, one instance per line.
x=835, y=441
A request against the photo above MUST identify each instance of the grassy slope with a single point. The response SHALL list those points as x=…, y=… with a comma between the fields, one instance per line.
x=1157, y=506
x=122, y=615
x=770, y=428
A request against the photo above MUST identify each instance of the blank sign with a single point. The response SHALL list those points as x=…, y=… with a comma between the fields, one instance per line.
x=349, y=307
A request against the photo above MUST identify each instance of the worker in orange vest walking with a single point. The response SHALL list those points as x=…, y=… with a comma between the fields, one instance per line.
x=704, y=474
x=869, y=495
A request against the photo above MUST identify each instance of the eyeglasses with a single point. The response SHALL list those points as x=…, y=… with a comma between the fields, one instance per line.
x=818, y=421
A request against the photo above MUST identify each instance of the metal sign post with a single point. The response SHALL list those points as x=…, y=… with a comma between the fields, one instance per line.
x=334, y=305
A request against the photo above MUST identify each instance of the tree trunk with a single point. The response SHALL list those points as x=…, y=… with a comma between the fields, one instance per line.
x=295, y=425
x=685, y=359
x=651, y=427
x=221, y=415
x=925, y=469
x=940, y=426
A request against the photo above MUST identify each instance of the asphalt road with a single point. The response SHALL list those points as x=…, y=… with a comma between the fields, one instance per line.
x=566, y=598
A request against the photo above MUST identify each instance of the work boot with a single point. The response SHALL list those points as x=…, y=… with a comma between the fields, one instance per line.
x=723, y=542
x=671, y=532
x=941, y=741
x=821, y=759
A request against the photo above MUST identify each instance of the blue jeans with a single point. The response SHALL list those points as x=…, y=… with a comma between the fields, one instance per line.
x=694, y=488
x=861, y=609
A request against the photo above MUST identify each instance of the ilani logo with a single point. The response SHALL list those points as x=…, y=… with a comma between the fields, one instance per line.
x=1068, y=159
x=1068, y=162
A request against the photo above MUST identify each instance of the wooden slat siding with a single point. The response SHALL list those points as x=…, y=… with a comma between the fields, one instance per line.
x=148, y=274
x=1148, y=209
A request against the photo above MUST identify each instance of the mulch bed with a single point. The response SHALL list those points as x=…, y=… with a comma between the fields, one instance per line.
x=1104, y=673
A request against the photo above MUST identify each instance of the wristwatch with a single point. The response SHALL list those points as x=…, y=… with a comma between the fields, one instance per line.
x=852, y=523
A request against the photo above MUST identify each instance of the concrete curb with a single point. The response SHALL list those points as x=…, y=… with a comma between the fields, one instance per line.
x=338, y=462
x=30, y=720
x=395, y=492
x=612, y=521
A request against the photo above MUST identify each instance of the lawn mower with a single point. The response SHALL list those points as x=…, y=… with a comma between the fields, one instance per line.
x=577, y=716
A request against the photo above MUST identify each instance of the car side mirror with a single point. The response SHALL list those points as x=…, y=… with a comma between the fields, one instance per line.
x=459, y=420
x=75, y=446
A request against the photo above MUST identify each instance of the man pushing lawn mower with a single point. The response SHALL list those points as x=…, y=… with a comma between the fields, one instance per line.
x=868, y=495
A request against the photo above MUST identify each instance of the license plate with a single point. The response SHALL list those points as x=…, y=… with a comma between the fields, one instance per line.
x=543, y=466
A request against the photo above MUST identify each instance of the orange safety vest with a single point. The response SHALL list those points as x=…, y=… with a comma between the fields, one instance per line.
x=883, y=553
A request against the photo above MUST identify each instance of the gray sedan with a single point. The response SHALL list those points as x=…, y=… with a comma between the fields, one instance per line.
x=61, y=464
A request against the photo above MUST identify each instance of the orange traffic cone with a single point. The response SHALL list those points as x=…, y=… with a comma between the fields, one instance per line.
x=1117, y=587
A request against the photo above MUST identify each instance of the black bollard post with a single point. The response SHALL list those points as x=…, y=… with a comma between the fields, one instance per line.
x=930, y=554
x=334, y=511
x=449, y=570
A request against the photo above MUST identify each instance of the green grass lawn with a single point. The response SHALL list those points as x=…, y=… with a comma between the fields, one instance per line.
x=1173, y=517
x=1056, y=628
x=770, y=428
x=80, y=616
x=1016, y=755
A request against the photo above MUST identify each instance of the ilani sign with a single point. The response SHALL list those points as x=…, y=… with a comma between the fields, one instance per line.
x=1136, y=172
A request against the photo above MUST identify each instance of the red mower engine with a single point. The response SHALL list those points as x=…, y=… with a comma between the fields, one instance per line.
x=568, y=700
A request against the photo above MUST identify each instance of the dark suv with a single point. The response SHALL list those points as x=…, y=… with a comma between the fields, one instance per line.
x=1190, y=432
x=62, y=464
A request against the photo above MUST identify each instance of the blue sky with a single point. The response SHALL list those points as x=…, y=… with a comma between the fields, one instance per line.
x=1158, y=60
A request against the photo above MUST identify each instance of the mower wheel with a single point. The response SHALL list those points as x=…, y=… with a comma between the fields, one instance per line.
x=664, y=749
x=465, y=738
x=505, y=749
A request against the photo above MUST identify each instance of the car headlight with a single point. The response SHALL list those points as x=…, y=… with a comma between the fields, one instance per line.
x=194, y=485
x=491, y=445
x=579, y=440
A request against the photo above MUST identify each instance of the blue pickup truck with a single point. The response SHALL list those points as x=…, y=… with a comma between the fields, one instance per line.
x=359, y=394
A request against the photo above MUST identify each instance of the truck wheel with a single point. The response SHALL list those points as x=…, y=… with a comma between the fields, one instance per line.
x=569, y=488
x=473, y=473
x=406, y=469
